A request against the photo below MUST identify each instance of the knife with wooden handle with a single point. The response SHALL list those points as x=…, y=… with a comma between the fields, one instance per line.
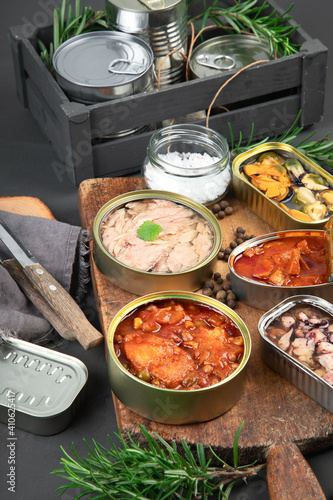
x=51, y=299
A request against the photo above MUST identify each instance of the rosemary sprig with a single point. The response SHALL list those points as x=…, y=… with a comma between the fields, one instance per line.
x=67, y=24
x=246, y=16
x=320, y=150
x=157, y=472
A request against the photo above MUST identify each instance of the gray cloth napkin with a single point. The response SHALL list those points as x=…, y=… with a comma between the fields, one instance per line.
x=64, y=252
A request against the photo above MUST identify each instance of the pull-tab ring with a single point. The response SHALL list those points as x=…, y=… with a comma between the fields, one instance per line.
x=209, y=61
x=133, y=68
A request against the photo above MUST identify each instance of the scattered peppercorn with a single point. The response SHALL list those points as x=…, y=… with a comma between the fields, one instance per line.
x=222, y=209
x=220, y=291
x=240, y=237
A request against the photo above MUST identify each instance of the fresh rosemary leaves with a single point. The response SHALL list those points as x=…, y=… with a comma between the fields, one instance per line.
x=242, y=17
x=157, y=472
x=67, y=24
x=320, y=151
x=248, y=17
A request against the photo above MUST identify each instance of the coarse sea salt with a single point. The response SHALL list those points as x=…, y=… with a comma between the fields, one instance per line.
x=190, y=175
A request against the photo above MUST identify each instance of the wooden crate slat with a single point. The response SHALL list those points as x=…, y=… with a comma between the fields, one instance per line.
x=270, y=95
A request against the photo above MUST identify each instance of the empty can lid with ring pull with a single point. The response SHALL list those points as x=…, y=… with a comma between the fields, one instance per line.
x=100, y=66
x=225, y=53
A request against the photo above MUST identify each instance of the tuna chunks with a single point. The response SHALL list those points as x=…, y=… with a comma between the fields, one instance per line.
x=186, y=238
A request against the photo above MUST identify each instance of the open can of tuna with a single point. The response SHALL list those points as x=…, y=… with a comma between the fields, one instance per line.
x=160, y=23
x=227, y=52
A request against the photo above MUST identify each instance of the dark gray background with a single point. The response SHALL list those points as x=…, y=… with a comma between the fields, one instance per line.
x=26, y=159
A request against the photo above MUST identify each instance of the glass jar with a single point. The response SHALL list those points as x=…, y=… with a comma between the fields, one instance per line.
x=188, y=159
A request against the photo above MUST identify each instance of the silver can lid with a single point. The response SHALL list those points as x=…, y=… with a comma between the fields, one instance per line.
x=227, y=52
x=144, y=5
x=102, y=59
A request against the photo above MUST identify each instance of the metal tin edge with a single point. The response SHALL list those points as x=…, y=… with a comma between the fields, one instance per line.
x=288, y=367
x=102, y=34
x=259, y=203
x=264, y=296
x=50, y=423
x=179, y=295
x=149, y=193
x=171, y=406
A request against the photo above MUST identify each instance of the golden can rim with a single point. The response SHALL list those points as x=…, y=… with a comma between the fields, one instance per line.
x=237, y=162
x=120, y=200
x=268, y=237
x=144, y=299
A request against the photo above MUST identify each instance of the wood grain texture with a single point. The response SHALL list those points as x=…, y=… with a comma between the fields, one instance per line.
x=273, y=410
x=25, y=205
x=288, y=471
x=71, y=321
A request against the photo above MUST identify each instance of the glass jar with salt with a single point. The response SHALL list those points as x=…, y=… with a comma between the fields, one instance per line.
x=188, y=159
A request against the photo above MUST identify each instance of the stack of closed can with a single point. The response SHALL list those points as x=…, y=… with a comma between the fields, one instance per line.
x=162, y=24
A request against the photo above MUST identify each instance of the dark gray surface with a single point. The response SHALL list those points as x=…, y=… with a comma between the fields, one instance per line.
x=26, y=160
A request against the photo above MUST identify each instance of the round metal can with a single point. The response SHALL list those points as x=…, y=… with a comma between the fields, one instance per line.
x=139, y=281
x=160, y=23
x=264, y=296
x=226, y=52
x=170, y=406
x=104, y=65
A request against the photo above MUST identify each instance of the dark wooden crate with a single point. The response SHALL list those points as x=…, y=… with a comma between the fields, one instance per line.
x=270, y=95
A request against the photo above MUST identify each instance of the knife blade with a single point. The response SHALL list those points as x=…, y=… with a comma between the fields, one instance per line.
x=65, y=315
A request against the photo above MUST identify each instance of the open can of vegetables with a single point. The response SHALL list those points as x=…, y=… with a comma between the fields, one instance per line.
x=283, y=187
x=148, y=241
x=177, y=357
x=297, y=342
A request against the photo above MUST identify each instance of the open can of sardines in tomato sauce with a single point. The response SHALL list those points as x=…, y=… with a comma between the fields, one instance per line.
x=148, y=241
x=177, y=357
x=275, y=266
x=296, y=339
x=283, y=187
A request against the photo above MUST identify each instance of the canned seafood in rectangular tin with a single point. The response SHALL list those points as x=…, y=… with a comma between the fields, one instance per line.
x=43, y=388
x=281, y=213
x=300, y=375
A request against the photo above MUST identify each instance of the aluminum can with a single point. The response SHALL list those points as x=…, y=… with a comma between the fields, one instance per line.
x=141, y=282
x=288, y=367
x=172, y=406
x=227, y=52
x=103, y=65
x=266, y=208
x=44, y=388
x=263, y=295
x=162, y=24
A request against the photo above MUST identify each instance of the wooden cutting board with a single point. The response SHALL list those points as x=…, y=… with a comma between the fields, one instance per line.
x=275, y=413
x=25, y=205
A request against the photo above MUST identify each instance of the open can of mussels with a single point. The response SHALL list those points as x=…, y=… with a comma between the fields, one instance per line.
x=306, y=201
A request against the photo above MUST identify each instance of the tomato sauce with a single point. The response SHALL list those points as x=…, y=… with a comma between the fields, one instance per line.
x=286, y=261
x=179, y=344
